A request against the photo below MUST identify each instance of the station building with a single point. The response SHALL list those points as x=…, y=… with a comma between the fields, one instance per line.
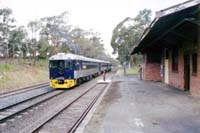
x=171, y=47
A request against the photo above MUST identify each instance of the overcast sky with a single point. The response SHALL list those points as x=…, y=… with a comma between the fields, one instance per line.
x=100, y=15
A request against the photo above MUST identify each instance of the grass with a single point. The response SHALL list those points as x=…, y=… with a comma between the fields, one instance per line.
x=42, y=63
x=4, y=67
x=133, y=70
x=17, y=75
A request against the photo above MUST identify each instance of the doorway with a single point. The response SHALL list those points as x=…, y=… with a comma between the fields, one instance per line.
x=166, y=72
x=187, y=72
x=166, y=67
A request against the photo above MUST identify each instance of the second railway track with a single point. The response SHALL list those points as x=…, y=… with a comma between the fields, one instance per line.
x=13, y=110
x=20, y=97
x=73, y=113
x=23, y=90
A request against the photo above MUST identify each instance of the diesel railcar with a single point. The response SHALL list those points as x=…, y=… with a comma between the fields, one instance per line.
x=68, y=70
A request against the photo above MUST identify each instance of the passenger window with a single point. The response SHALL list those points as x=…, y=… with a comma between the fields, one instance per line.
x=84, y=67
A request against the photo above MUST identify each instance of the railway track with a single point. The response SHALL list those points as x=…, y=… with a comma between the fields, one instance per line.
x=73, y=128
x=15, y=109
x=24, y=89
x=71, y=113
x=39, y=113
x=17, y=97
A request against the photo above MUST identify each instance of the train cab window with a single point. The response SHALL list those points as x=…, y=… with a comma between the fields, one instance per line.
x=57, y=63
x=61, y=64
x=53, y=64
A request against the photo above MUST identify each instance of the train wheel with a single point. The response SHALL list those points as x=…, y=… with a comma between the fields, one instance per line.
x=79, y=81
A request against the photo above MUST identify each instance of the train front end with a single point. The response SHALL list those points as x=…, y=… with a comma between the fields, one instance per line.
x=61, y=74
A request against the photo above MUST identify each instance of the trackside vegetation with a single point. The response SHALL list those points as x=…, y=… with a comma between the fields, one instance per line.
x=19, y=73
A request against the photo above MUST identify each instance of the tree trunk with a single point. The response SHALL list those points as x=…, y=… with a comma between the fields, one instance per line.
x=13, y=51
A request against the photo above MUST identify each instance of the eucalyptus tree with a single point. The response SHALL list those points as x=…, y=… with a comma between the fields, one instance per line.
x=98, y=45
x=34, y=28
x=43, y=47
x=127, y=34
x=90, y=42
x=57, y=30
x=78, y=40
x=6, y=25
x=17, y=41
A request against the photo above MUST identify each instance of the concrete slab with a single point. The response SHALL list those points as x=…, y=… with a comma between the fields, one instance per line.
x=134, y=106
x=104, y=82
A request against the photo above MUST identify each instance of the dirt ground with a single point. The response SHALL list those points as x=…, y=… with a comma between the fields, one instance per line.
x=134, y=106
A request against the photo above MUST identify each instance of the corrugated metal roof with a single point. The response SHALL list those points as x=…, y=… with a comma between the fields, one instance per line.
x=166, y=20
x=177, y=8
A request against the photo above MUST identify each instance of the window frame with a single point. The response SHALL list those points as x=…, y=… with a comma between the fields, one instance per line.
x=194, y=64
x=175, y=60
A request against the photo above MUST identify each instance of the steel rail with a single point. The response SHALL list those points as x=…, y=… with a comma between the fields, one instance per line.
x=24, y=89
x=25, y=100
x=36, y=129
x=3, y=119
x=84, y=114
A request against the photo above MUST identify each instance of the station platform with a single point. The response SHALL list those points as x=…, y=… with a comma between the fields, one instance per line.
x=131, y=105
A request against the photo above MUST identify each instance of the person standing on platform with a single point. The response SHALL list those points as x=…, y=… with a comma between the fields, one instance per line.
x=140, y=71
x=124, y=66
x=104, y=75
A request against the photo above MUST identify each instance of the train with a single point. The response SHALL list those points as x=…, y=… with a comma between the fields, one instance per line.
x=67, y=70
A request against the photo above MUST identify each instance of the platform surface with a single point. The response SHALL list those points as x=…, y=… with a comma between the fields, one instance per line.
x=104, y=82
x=134, y=106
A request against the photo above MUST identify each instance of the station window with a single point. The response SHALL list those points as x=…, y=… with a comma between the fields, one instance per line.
x=175, y=60
x=194, y=63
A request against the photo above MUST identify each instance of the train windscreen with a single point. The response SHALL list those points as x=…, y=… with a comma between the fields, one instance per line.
x=60, y=64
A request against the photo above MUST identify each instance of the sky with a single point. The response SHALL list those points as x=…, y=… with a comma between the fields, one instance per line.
x=100, y=15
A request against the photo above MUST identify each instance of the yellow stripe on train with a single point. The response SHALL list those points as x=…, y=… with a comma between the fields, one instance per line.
x=68, y=83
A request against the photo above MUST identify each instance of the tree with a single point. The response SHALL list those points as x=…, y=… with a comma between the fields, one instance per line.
x=17, y=41
x=90, y=43
x=57, y=30
x=6, y=25
x=127, y=33
x=43, y=47
x=34, y=28
x=46, y=37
